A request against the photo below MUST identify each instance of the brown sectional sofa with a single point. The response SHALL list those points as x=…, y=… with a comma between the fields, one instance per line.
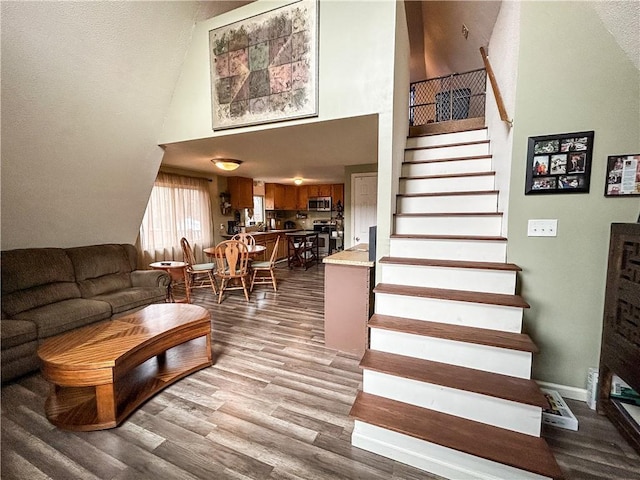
x=48, y=291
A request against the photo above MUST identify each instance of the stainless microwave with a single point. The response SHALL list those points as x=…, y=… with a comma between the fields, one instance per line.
x=319, y=204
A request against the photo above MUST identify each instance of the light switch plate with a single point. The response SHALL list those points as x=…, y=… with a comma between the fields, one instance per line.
x=542, y=228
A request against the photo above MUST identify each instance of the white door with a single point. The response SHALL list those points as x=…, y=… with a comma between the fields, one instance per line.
x=364, y=201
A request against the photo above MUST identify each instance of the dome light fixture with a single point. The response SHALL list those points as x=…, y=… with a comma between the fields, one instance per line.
x=226, y=164
x=297, y=181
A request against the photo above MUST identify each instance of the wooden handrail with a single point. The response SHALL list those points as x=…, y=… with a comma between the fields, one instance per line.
x=496, y=90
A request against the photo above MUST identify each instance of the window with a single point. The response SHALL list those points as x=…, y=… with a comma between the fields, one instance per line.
x=257, y=216
x=178, y=207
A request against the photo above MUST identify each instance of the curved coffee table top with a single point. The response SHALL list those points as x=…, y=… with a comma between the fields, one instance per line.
x=103, y=344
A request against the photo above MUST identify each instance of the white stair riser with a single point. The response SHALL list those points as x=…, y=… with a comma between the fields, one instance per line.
x=493, y=317
x=448, y=138
x=468, y=279
x=498, y=412
x=447, y=184
x=430, y=457
x=440, y=168
x=458, y=151
x=449, y=203
x=465, y=225
x=504, y=361
x=468, y=250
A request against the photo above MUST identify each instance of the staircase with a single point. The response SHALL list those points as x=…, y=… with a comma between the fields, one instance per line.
x=446, y=380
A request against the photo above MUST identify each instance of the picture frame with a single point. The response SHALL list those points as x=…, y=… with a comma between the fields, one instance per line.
x=559, y=163
x=623, y=175
x=265, y=68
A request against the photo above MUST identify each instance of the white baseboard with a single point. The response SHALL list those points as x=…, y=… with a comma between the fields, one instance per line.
x=565, y=391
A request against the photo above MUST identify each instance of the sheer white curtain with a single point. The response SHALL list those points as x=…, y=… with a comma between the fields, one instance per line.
x=178, y=207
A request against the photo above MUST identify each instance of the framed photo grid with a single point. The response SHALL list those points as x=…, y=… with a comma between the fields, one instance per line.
x=623, y=175
x=559, y=163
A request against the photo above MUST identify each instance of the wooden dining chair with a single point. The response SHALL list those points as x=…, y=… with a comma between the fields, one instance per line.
x=244, y=238
x=232, y=262
x=199, y=275
x=263, y=272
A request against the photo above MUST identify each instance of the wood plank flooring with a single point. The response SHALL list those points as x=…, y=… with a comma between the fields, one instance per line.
x=273, y=406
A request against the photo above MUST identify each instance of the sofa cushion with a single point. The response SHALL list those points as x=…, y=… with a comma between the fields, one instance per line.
x=62, y=316
x=133, y=297
x=33, y=277
x=19, y=361
x=100, y=268
x=17, y=332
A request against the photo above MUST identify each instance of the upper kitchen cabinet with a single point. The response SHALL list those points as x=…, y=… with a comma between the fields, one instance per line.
x=319, y=190
x=290, y=198
x=241, y=192
x=337, y=194
x=273, y=196
x=302, y=197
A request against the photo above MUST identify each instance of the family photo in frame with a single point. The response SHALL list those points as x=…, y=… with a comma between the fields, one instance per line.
x=559, y=163
x=623, y=175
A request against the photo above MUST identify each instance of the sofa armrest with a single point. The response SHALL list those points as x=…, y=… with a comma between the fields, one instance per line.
x=150, y=278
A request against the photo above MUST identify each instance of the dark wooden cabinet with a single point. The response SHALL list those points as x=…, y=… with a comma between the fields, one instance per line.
x=302, y=197
x=241, y=192
x=290, y=198
x=273, y=196
x=620, y=350
x=337, y=194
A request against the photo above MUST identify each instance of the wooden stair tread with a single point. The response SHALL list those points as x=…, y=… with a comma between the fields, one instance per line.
x=495, y=385
x=453, y=295
x=449, y=126
x=449, y=175
x=446, y=159
x=447, y=145
x=448, y=194
x=449, y=237
x=450, y=214
x=517, y=450
x=458, y=333
x=429, y=262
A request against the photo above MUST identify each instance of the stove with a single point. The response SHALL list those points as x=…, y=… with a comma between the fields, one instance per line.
x=324, y=227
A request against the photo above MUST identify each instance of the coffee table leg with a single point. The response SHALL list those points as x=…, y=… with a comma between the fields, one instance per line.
x=106, y=403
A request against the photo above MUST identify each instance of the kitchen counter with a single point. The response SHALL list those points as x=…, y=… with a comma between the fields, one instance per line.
x=357, y=256
x=257, y=234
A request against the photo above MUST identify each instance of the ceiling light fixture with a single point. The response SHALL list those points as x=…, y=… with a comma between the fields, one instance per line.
x=297, y=181
x=227, y=164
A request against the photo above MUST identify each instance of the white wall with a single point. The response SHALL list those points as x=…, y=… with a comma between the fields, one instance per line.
x=85, y=86
x=503, y=55
x=355, y=67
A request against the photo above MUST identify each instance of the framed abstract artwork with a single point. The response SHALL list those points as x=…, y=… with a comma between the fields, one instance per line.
x=265, y=68
x=559, y=163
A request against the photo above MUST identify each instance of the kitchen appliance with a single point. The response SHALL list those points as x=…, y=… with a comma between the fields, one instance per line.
x=319, y=204
x=289, y=225
x=324, y=228
x=233, y=227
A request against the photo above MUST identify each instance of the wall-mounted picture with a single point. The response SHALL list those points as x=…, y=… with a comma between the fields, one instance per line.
x=623, y=175
x=265, y=68
x=559, y=163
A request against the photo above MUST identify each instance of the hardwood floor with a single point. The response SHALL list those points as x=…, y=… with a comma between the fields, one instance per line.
x=273, y=406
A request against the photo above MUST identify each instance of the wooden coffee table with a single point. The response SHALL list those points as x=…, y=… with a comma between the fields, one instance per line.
x=101, y=373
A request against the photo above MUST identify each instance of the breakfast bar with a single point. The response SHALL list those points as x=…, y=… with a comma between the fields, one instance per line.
x=348, y=299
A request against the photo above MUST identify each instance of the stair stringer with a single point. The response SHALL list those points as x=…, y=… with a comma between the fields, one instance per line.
x=456, y=245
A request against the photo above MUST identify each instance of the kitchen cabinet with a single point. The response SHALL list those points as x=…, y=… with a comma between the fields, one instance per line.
x=290, y=198
x=241, y=192
x=321, y=190
x=337, y=194
x=273, y=196
x=302, y=197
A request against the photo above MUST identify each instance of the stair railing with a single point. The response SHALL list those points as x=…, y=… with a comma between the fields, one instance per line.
x=496, y=90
